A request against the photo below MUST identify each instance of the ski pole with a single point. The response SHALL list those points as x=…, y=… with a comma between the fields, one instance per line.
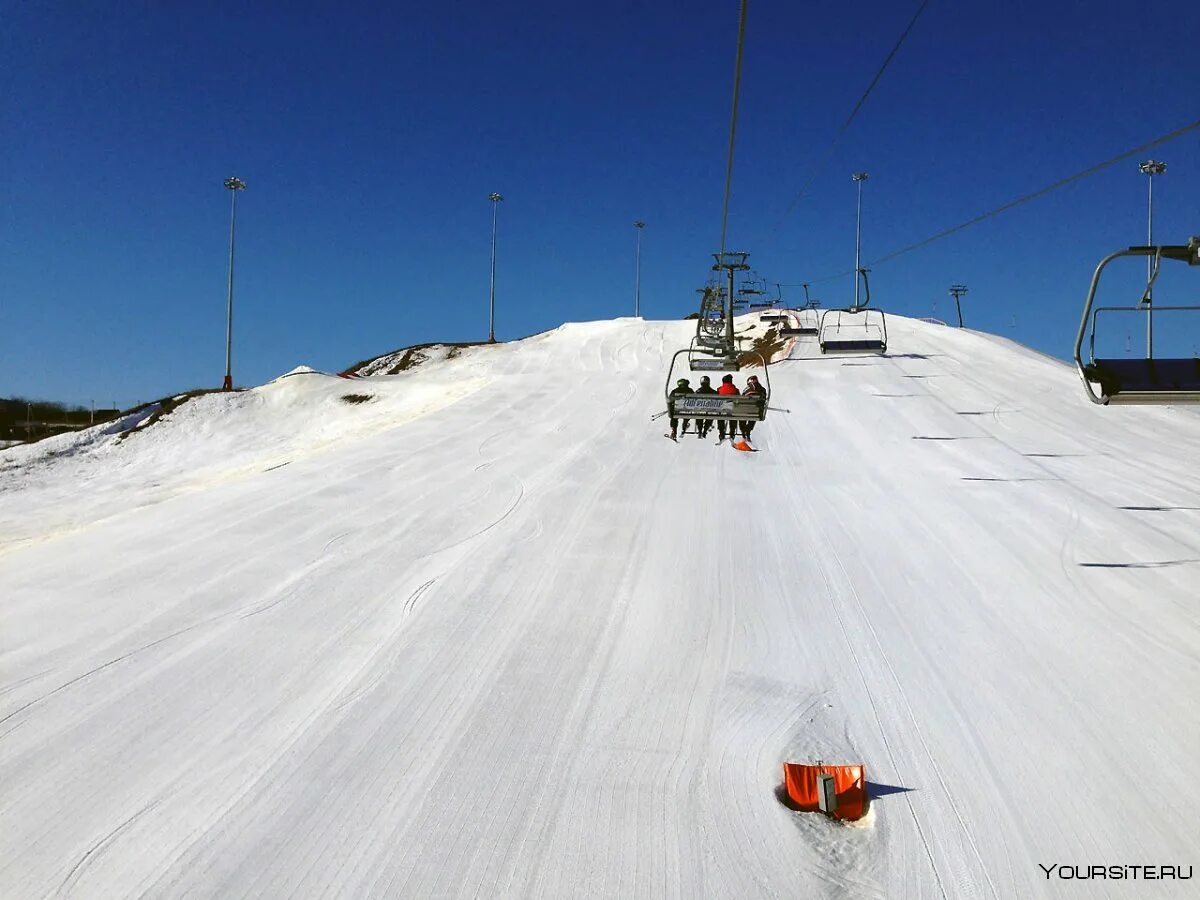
x=777, y=409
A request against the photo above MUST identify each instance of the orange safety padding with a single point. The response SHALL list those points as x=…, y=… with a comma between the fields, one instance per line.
x=849, y=783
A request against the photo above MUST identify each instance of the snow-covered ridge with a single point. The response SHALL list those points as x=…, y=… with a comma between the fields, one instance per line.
x=409, y=358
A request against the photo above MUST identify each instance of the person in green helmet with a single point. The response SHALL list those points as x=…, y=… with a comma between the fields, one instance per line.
x=682, y=387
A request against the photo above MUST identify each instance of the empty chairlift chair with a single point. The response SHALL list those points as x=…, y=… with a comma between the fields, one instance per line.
x=854, y=330
x=803, y=323
x=708, y=355
x=1153, y=380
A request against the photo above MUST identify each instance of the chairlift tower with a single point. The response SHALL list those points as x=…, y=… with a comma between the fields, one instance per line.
x=858, y=178
x=730, y=261
x=1150, y=168
x=958, y=290
x=235, y=185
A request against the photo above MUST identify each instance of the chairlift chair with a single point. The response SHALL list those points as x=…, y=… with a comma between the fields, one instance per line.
x=699, y=363
x=739, y=407
x=853, y=330
x=856, y=329
x=808, y=323
x=713, y=353
x=1138, y=381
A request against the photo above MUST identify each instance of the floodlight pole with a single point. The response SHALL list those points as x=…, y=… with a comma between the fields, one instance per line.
x=1150, y=168
x=858, y=178
x=234, y=185
x=637, y=271
x=958, y=290
x=495, y=198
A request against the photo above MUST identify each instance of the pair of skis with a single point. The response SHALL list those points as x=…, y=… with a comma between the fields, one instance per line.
x=742, y=445
x=671, y=437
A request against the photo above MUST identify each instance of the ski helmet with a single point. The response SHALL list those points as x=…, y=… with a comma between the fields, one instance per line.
x=682, y=382
x=727, y=379
x=704, y=379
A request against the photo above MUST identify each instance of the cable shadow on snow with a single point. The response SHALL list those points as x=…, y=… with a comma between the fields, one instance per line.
x=934, y=437
x=1160, y=508
x=981, y=478
x=1138, y=565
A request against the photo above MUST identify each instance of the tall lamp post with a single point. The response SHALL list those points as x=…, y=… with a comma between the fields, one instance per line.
x=1150, y=168
x=858, y=178
x=234, y=185
x=637, y=271
x=495, y=198
x=958, y=290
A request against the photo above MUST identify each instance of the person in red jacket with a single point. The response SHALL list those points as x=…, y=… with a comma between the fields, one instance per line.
x=727, y=388
x=753, y=389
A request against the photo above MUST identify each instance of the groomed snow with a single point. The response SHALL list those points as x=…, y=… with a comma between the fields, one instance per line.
x=488, y=634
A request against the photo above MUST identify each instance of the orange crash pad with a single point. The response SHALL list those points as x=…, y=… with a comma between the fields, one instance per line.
x=850, y=786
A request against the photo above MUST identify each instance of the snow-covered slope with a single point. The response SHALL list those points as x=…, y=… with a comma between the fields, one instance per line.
x=486, y=633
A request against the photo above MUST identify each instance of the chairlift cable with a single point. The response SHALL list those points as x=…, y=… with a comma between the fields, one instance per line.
x=837, y=138
x=737, y=83
x=1012, y=204
x=1136, y=151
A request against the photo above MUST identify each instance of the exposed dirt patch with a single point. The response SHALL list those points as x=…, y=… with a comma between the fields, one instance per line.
x=767, y=345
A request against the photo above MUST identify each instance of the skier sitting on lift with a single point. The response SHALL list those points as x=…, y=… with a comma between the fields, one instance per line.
x=682, y=387
x=753, y=389
x=727, y=388
x=704, y=426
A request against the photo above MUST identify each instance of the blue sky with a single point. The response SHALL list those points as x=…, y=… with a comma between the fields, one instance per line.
x=370, y=138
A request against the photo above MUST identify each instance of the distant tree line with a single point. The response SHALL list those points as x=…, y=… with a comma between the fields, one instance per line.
x=22, y=419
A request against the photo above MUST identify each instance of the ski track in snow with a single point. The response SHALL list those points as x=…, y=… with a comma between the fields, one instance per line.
x=489, y=635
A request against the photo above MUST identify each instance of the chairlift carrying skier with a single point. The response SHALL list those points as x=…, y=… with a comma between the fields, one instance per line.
x=727, y=388
x=753, y=389
x=682, y=387
x=704, y=426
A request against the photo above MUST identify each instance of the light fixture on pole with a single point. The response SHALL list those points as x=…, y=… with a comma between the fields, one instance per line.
x=495, y=198
x=958, y=290
x=858, y=178
x=234, y=185
x=637, y=271
x=1150, y=168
